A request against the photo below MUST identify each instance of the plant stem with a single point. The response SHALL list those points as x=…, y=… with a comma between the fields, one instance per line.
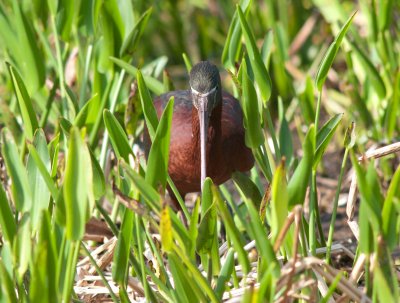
x=60, y=67
x=114, y=98
x=317, y=112
x=313, y=210
x=334, y=210
x=85, y=75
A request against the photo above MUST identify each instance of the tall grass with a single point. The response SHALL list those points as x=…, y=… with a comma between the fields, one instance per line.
x=76, y=87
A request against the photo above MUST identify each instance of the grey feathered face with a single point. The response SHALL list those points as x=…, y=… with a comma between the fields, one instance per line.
x=204, y=77
x=205, y=84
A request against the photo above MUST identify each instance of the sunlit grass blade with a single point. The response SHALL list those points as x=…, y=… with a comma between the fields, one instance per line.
x=371, y=203
x=153, y=84
x=385, y=14
x=121, y=255
x=25, y=103
x=256, y=230
x=390, y=217
x=382, y=289
x=330, y=54
x=196, y=275
x=7, y=222
x=306, y=101
x=370, y=70
x=20, y=187
x=40, y=191
x=279, y=200
x=208, y=225
x=166, y=229
x=225, y=274
x=66, y=18
x=76, y=188
x=151, y=196
x=297, y=184
x=248, y=187
x=113, y=33
x=83, y=115
x=27, y=52
x=131, y=41
x=260, y=71
x=118, y=137
x=181, y=275
x=43, y=284
x=22, y=247
x=393, y=108
x=149, y=111
x=232, y=232
x=157, y=167
x=348, y=144
x=253, y=134
x=324, y=136
x=7, y=285
x=99, y=183
x=187, y=61
x=232, y=45
x=285, y=137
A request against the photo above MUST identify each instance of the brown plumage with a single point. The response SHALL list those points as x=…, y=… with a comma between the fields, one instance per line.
x=226, y=151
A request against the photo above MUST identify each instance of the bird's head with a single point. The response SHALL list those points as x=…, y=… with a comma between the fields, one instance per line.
x=205, y=86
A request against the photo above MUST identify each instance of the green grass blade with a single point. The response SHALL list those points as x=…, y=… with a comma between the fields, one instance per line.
x=208, y=221
x=260, y=71
x=30, y=60
x=251, y=114
x=121, y=255
x=43, y=285
x=393, y=108
x=24, y=102
x=118, y=137
x=389, y=214
x=187, y=61
x=279, y=200
x=20, y=188
x=233, y=232
x=297, y=184
x=180, y=275
x=83, y=115
x=149, y=110
x=151, y=196
x=40, y=190
x=7, y=222
x=44, y=171
x=324, y=136
x=166, y=229
x=132, y=40
x=330, y=55
x=157, y=164
x=370, y=70
x=68, y=11
x=76, y=186
x=99, y=183
x=225, y=274
x=153, y=84
x=7, y=286
x=232, y=45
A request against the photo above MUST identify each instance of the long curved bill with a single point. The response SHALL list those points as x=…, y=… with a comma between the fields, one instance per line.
x=203, y=119
x=204, y=104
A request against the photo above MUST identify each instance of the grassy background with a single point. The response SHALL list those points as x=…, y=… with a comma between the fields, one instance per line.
x=76, y=84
